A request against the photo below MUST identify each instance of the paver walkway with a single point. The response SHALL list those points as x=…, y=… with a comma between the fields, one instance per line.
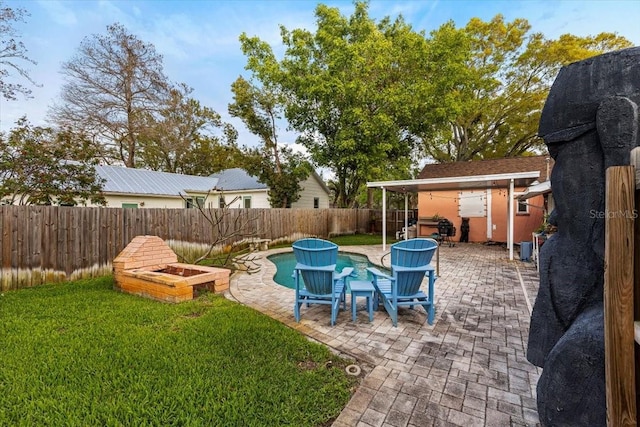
x=467, y=369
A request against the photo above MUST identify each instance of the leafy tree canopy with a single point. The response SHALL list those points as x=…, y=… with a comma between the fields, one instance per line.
x=39, y=166
x=351, y=88
x=369, y=98
x=500, y=86
x=260, y=108
x=284, y=187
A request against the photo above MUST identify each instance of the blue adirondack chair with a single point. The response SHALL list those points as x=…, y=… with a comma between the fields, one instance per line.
x=316, y=278
x=410, y=262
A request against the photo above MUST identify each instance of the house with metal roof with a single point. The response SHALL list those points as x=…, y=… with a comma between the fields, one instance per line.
x=138, y=188
x=238, y=189
x=141, y=188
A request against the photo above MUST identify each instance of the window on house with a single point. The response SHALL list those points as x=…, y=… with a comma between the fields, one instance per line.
x=247, y=202
x=193, y=202
x=523, y=207
x=130, y=205
x=221, y=202
x=472, y=204
x=316, y=202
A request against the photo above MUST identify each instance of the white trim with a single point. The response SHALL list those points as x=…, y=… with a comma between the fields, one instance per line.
x=535, y=190
x=521, y=203
x=384, y=219
x=158, y=196
x=456, y=179
x=247, y=190
x=448, y=183
x=406, y=216
x=511, y=220
x=489, y=217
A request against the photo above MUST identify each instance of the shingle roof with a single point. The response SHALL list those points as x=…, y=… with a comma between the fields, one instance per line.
x=489, y=167
x=141, y=181
x=237, y=179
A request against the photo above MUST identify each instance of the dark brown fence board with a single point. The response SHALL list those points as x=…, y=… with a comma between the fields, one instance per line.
x=48, y=233
x=66, y=239
x=35, y=237
x=24, y=218
x=15, y=246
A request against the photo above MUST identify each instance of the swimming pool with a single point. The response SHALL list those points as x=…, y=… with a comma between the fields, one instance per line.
x=285, y=262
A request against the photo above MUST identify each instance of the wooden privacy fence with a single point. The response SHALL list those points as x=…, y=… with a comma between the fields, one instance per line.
x=622, y=293
x=53, y=243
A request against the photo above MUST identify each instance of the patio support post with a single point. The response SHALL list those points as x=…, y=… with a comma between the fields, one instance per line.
x=489, y=217
x=510, y=229
x=384, y=219
x=406, y=216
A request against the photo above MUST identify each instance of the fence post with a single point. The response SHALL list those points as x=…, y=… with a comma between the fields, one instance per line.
x=635, y=162
x=618, y=296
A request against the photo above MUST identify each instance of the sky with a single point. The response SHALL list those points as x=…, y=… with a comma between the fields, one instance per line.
x=198, y=39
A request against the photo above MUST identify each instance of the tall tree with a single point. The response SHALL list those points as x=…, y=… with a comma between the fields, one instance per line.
x=186, y=137
x=351, y=88
x=284, y=187
x=260, y=108
x=12, y=53
x=41, y=166
x=113, y=84
x=506, y=75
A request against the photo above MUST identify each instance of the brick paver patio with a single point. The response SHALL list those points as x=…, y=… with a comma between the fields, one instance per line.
x=467, y=369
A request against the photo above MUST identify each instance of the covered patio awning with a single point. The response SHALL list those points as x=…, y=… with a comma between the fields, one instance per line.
x=536, y=189
x=502, y=180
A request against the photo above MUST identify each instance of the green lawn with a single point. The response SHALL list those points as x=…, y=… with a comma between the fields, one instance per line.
x=359, y=239
x=348, y=240
x=82, y=354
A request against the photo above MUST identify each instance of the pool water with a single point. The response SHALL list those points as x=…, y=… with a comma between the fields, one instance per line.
x=285, y=262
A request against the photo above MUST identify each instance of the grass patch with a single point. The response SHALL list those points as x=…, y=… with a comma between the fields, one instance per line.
x=81, y=354
x=359, y=239
x=347, y=240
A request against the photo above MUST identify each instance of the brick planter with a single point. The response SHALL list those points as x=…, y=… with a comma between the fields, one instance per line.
x=149, y=268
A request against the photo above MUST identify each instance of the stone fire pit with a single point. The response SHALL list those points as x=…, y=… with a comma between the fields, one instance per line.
x=149, y=268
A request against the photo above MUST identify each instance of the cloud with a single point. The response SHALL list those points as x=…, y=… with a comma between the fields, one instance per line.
x=59, y=13
x=199, y=39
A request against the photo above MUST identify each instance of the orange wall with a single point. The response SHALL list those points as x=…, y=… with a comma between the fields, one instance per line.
x=445, y=204
x=441, y=203
x=527, y=224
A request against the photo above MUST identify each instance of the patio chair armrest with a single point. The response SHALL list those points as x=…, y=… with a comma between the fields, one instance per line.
x=347, y=271
x=379, y=273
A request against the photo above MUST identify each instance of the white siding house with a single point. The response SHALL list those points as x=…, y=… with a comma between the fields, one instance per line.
x=141, y=188
x=243, y=190
x=314, y=195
